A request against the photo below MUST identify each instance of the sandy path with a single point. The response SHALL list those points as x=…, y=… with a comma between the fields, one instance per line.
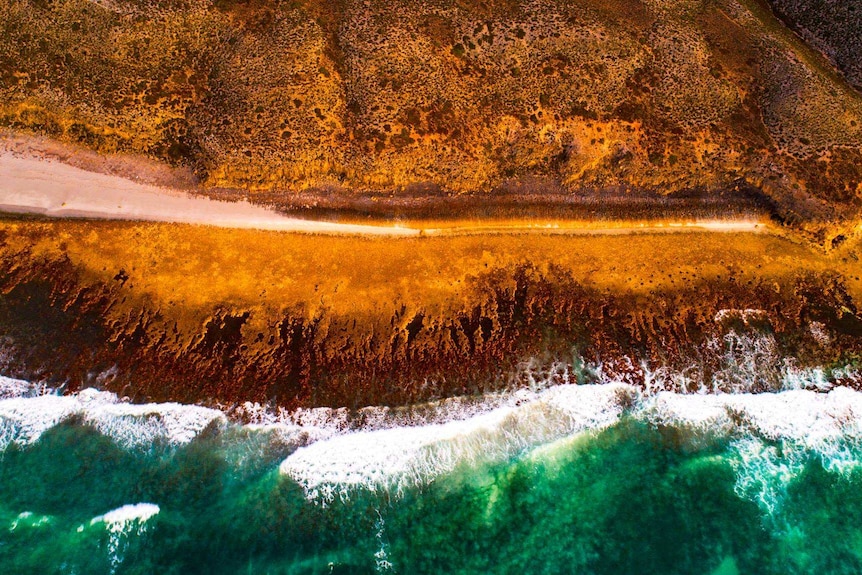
x=30, y=185
x=33, y=186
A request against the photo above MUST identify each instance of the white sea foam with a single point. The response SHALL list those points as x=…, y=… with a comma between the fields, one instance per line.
x=23, y=420
x=775, y=434
x=338, y=451
x=402, y=457
x=328, y=420
x=814, y=419
x=10, y=388
x=806, y=416
x=764, y=471
x=787, y=430
x=140, y=426
x=29, y=519
x=118, y=519
x=121, y=524
x=705, y=413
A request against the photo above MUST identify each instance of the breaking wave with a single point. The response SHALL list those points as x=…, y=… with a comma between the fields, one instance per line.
x=252, y=477
x=333, y=453
x=122, y=524
x=762, y=427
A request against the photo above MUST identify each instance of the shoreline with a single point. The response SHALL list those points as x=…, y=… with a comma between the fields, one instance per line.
x=170, y=312
x=50, y=188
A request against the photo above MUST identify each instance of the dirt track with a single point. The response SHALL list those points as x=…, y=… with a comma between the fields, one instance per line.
x=31, y=185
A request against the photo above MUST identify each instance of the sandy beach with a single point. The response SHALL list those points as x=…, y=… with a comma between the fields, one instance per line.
x=50, y=188
x=47, y=187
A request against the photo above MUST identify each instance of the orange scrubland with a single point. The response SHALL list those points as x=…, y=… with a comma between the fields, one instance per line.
x=405, y=98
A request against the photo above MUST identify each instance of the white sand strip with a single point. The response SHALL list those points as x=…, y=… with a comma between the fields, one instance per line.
x=30, y=185
x=49, y=188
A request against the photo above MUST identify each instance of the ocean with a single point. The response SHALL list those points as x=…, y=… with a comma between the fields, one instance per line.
x=601, y=478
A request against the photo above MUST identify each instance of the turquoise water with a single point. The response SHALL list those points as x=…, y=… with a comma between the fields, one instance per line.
x=632, y=496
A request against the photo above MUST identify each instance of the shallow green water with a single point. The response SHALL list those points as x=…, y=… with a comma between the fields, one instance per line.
x=632, y=498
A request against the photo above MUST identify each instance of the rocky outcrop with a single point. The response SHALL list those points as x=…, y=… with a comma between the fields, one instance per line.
x=505, y=326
